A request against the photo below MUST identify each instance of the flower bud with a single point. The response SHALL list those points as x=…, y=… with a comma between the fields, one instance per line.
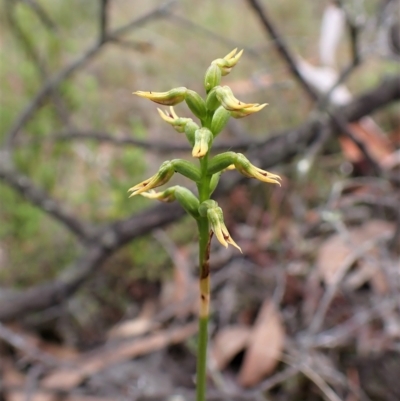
x=219, y=120
x=212, y=77
x=203, y=138
x=170, y=98
x=228, y=62
x=215, y=217
x=171, y=118
x=243, y=165
x=196, y=104
x=204, y=206
x=185, y=197
x=249, y=110
x=163, y=175
x=228, y=100
x=166, y=196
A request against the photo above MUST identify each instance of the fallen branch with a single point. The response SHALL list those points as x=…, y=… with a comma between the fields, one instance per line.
x=24, y=186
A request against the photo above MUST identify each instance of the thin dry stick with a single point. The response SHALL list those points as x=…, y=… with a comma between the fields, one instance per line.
x=37, y=60
x=31, y=351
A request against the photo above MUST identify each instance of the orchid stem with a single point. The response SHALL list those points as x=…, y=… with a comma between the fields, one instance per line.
x=204, y=283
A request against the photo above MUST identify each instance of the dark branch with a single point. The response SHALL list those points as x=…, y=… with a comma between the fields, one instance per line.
x=41, y=14
x=103, y=20
x=281, y=47
x=99, y=249
x=285, y=145
x=31, y=51
x=153, y=146
x=24, y=186
x=353, y=31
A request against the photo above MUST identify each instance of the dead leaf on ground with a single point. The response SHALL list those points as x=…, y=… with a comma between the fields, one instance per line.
x=266, y=344
x=227, y=343
x=10, y=376
x=336, y=253
x=13, y=379
x=369, y=133
x=20, y=395
x=87, y=398
x=91, y=363
x=138, y=326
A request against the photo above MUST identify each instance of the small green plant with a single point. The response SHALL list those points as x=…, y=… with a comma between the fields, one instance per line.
x=214, y=112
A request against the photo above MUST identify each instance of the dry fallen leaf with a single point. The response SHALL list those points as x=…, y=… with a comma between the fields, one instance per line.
x=135, y=327
x=93, y=362
x=368, y=132
x=19, y=395
x=265, y=346
x=227, y=343
x=338, y=252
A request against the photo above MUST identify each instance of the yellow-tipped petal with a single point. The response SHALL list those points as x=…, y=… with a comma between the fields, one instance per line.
x=163, y=175
x=170, y=98
x=165, y=196
x=231, y=54
x=228, y=62
x=216, y=220
x=247, y=111
x=172, y=118
x=203, y=138
x=232, y=242
x=243, y=165
x=173, y=114
x=229, y=102
x=165, y=116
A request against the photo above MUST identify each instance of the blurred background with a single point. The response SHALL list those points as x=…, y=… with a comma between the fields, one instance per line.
x=98, y=292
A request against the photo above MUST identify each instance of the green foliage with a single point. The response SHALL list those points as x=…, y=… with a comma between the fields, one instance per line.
x=32, y=241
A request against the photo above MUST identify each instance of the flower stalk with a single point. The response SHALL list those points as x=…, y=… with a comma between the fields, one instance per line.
x=213, y=112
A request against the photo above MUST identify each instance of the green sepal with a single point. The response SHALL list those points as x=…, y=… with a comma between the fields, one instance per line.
x=212, y=77
x=205, y=206
x=214, y=181
x=212, y=102
x=190, y=130
x=188, y=201
x=187, y=169
x=196, y=104
x=219, y=120
x=221, y=162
